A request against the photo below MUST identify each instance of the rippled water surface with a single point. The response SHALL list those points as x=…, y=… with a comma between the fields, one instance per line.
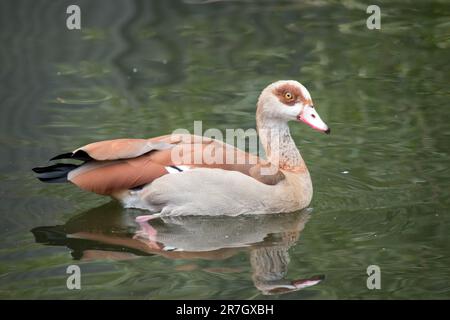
x=145, y=68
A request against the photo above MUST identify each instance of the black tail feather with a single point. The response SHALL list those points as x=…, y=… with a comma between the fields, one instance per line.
x=63, y=156
x=54, y=168
x=78, y=155
x=56, y=173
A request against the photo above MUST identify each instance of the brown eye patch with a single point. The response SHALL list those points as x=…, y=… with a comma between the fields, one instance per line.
x=290, y=95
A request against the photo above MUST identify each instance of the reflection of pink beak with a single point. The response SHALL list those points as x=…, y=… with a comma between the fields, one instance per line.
x=285, y=286
x=312, y=118
x=305, y=283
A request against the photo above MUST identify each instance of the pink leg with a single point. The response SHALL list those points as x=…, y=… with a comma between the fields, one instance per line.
x=146, y=218
x=147, y=231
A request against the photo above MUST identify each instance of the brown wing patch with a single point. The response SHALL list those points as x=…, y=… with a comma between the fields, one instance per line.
x=121, y=148
x=111, y=176
x=272, y=177
x=290, y=94
x=108, y=177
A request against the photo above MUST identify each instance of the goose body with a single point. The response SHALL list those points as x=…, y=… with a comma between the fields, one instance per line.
x=173, y=176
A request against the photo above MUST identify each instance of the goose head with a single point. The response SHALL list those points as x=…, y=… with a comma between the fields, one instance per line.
x=288, y=100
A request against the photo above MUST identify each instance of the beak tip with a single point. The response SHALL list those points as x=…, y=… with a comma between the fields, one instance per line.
x=328, y=131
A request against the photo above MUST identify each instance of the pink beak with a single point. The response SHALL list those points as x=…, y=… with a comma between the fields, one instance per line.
x=312, y=119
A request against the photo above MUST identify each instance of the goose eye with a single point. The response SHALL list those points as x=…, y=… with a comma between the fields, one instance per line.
x=288, y=96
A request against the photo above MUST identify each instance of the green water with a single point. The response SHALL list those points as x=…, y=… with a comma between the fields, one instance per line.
x=145, y=68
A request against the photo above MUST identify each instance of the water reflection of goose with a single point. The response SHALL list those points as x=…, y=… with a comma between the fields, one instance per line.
x=107, y=233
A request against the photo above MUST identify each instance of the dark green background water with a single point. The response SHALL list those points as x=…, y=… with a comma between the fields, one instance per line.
x=145, y=68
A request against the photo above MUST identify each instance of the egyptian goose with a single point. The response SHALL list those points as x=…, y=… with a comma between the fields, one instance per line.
x=170, y=175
